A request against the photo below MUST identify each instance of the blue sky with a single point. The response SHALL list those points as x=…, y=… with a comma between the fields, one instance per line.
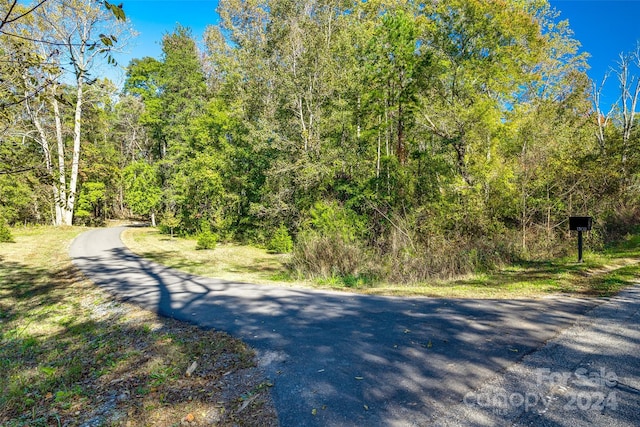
x=151, y=19
x=604, y=27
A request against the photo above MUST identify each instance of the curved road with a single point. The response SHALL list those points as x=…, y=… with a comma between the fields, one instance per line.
x=357, y=360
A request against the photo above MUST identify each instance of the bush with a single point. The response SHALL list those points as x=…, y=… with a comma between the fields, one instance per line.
x=415, y=257
x=326, y=256
x=84, y=217
x=5, y=233
x=169, y=223
x=281, y=242
x=206, y=240
x=620, y=222
x=331, y=218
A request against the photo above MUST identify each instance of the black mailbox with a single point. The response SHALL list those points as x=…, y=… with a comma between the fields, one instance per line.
x=580, y=223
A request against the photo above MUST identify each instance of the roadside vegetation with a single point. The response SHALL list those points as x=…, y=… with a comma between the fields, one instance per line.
x=70, y=354
x=374, y=142
x=602, y=273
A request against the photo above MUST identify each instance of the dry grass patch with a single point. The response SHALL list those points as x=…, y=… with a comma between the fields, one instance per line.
x=72, y=355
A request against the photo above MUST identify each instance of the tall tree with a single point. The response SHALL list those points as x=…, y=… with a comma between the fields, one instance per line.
x=71, y=32
x=398, y=62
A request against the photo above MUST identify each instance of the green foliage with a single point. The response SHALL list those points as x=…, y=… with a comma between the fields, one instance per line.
x=425, y=139
x=142, y=188
x=199, y=192
x=117, y=11
x=330, y=218
x=281, y=242
x=16, y=198
x=169, y=223
x=5, y=232
x=206, y=240
x=90, y=205
x=143, y=78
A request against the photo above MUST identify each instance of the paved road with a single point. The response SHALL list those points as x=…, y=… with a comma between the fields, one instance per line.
x=357, y=360
x=587, y=376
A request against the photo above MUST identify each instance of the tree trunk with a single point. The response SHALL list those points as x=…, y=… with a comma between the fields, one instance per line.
x=62, y=179
x=401, y=151
x=461, y=150
x=524, y=227
x=378, y=154
x=75, y=163
x=46, y=149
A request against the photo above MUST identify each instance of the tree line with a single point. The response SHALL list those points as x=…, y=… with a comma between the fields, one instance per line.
x=393, y=140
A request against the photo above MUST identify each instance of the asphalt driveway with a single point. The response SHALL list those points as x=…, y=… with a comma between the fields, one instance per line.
x=340, y=359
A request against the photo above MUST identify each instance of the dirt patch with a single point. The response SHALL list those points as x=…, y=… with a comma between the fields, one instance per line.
x=220, y=386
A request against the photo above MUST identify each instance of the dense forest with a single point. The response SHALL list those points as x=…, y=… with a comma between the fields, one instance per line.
x=391, y=140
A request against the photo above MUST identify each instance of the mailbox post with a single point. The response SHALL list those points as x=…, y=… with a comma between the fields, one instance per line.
x=580, y=224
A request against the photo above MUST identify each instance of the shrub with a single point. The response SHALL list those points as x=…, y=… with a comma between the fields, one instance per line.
x=414, y=257
x=82, y=217
x=620, y=222
x=330, y=255
x=331, y=218
x=169, y=223
x=5, y=233
x=281, y=242
x=206, y=240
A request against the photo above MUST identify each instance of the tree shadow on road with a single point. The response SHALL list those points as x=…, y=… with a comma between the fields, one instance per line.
x=72, y=355
x=347, y=359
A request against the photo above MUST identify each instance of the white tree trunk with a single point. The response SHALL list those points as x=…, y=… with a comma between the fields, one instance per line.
x=75, y=162
x=59, y=188
x=46, y=151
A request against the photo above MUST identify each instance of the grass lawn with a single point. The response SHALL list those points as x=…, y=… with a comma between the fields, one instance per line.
x=227, y=261
x=599, y=275
x=71, y=354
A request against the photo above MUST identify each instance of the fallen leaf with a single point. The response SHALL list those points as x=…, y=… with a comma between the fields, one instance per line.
x=366, y=408
x=246, y=402
x=191, y=369
x=314, y=411
x=189, y=418
x=359, y=378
